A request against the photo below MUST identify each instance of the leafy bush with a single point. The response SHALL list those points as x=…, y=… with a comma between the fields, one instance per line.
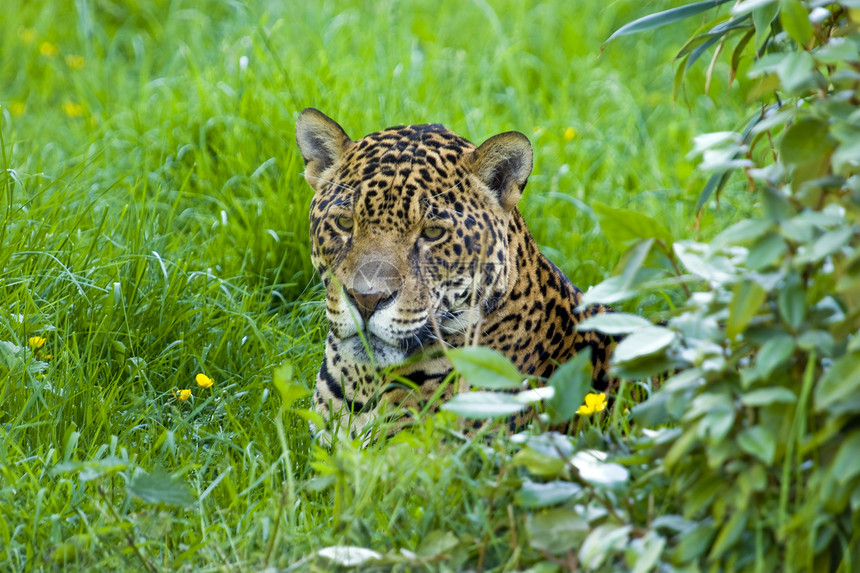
x=746, y=459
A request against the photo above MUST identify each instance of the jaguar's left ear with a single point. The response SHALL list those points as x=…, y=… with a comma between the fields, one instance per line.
x=322, y=143
x=503, y=163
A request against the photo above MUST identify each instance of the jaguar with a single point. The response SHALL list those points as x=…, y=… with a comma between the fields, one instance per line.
x=417, y=238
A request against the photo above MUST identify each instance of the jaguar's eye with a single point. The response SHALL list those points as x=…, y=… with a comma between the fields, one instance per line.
x=432, y=233
x=345, y=223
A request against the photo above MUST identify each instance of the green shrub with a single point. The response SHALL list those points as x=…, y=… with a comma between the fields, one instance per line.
x=748, y=457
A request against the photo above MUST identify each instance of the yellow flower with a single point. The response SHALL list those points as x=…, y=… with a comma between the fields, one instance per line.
x=37, y=342
x=182, y=395
x=75, y=61
x=569, y=134
x=593, y=403
x=73, y=109
x=17, y=108
x=48, y=49
x=27, y=35
x=204, y=381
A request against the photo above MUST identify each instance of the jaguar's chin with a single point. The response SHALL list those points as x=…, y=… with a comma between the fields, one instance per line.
x=371, y=350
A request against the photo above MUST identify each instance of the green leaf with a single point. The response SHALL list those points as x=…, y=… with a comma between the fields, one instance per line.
x=759, y=442
x=570, y=382
x=794, y=18
x=486, y=368
x=702, y=492
x=612, y=290
x=348, y=555
x=664, y=18
x=766, y=251
x=632, y=260
x=533, y=495
x=718, y=33
x=95, y=469
x=715, y=184
x=160, y=487
x=845, y=158
x=776, y=204
x=795, y=72
x=717, y=412
x=556, y=531
x=763, y=16
x=680, y=448
x=768, y=396
x=774, y=353
x=840, y=383
x=678, y=82
x=693, y=256
x=643, y=342
x=774, y=120
x=747, y=298
x=437, y=543
x=624, y=285
x=290, y=391
x=537, y=463
x=748, y=6
x=694, y=542
x=483, y=405
x=792, y=301
x=846, y=465
x=653, y=411
x=819, y=340
x=643, y=368
x=738, y=52
x=613, y=323
x=729, y=534
x=689, y=379
x=750, y=480
x=623, y=227
x=741, y=232
x=826, y=245
x=837, y=51
x=700, y=36
x=650, y=554
x=593, y=468
x=699, y=50
x=312, y=417
x=854, y=343
x=552, y=444
x=601, y=543
x=804, y=140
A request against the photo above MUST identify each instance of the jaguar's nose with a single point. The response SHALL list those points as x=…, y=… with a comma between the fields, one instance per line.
x=368, y=303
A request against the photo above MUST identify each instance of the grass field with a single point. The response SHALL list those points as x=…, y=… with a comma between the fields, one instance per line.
x=154, y=227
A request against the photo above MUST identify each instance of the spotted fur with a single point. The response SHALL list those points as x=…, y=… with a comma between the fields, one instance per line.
x=416, y=235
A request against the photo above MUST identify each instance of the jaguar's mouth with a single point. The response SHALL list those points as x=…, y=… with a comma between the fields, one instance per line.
x=419, y=341
x=366, y=347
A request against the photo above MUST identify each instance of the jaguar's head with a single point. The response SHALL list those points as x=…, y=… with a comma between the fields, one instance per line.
x=409, y=232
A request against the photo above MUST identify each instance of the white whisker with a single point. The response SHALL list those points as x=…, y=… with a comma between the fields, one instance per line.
x=336, y=184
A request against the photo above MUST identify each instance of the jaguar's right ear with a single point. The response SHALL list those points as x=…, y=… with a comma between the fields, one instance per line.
x=503, y=163
x=322, y=142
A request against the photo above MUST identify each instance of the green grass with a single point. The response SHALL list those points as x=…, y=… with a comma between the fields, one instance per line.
x=154, y=225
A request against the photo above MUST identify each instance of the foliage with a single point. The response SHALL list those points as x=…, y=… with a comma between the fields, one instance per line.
x=752, y=463
x=765, y=400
